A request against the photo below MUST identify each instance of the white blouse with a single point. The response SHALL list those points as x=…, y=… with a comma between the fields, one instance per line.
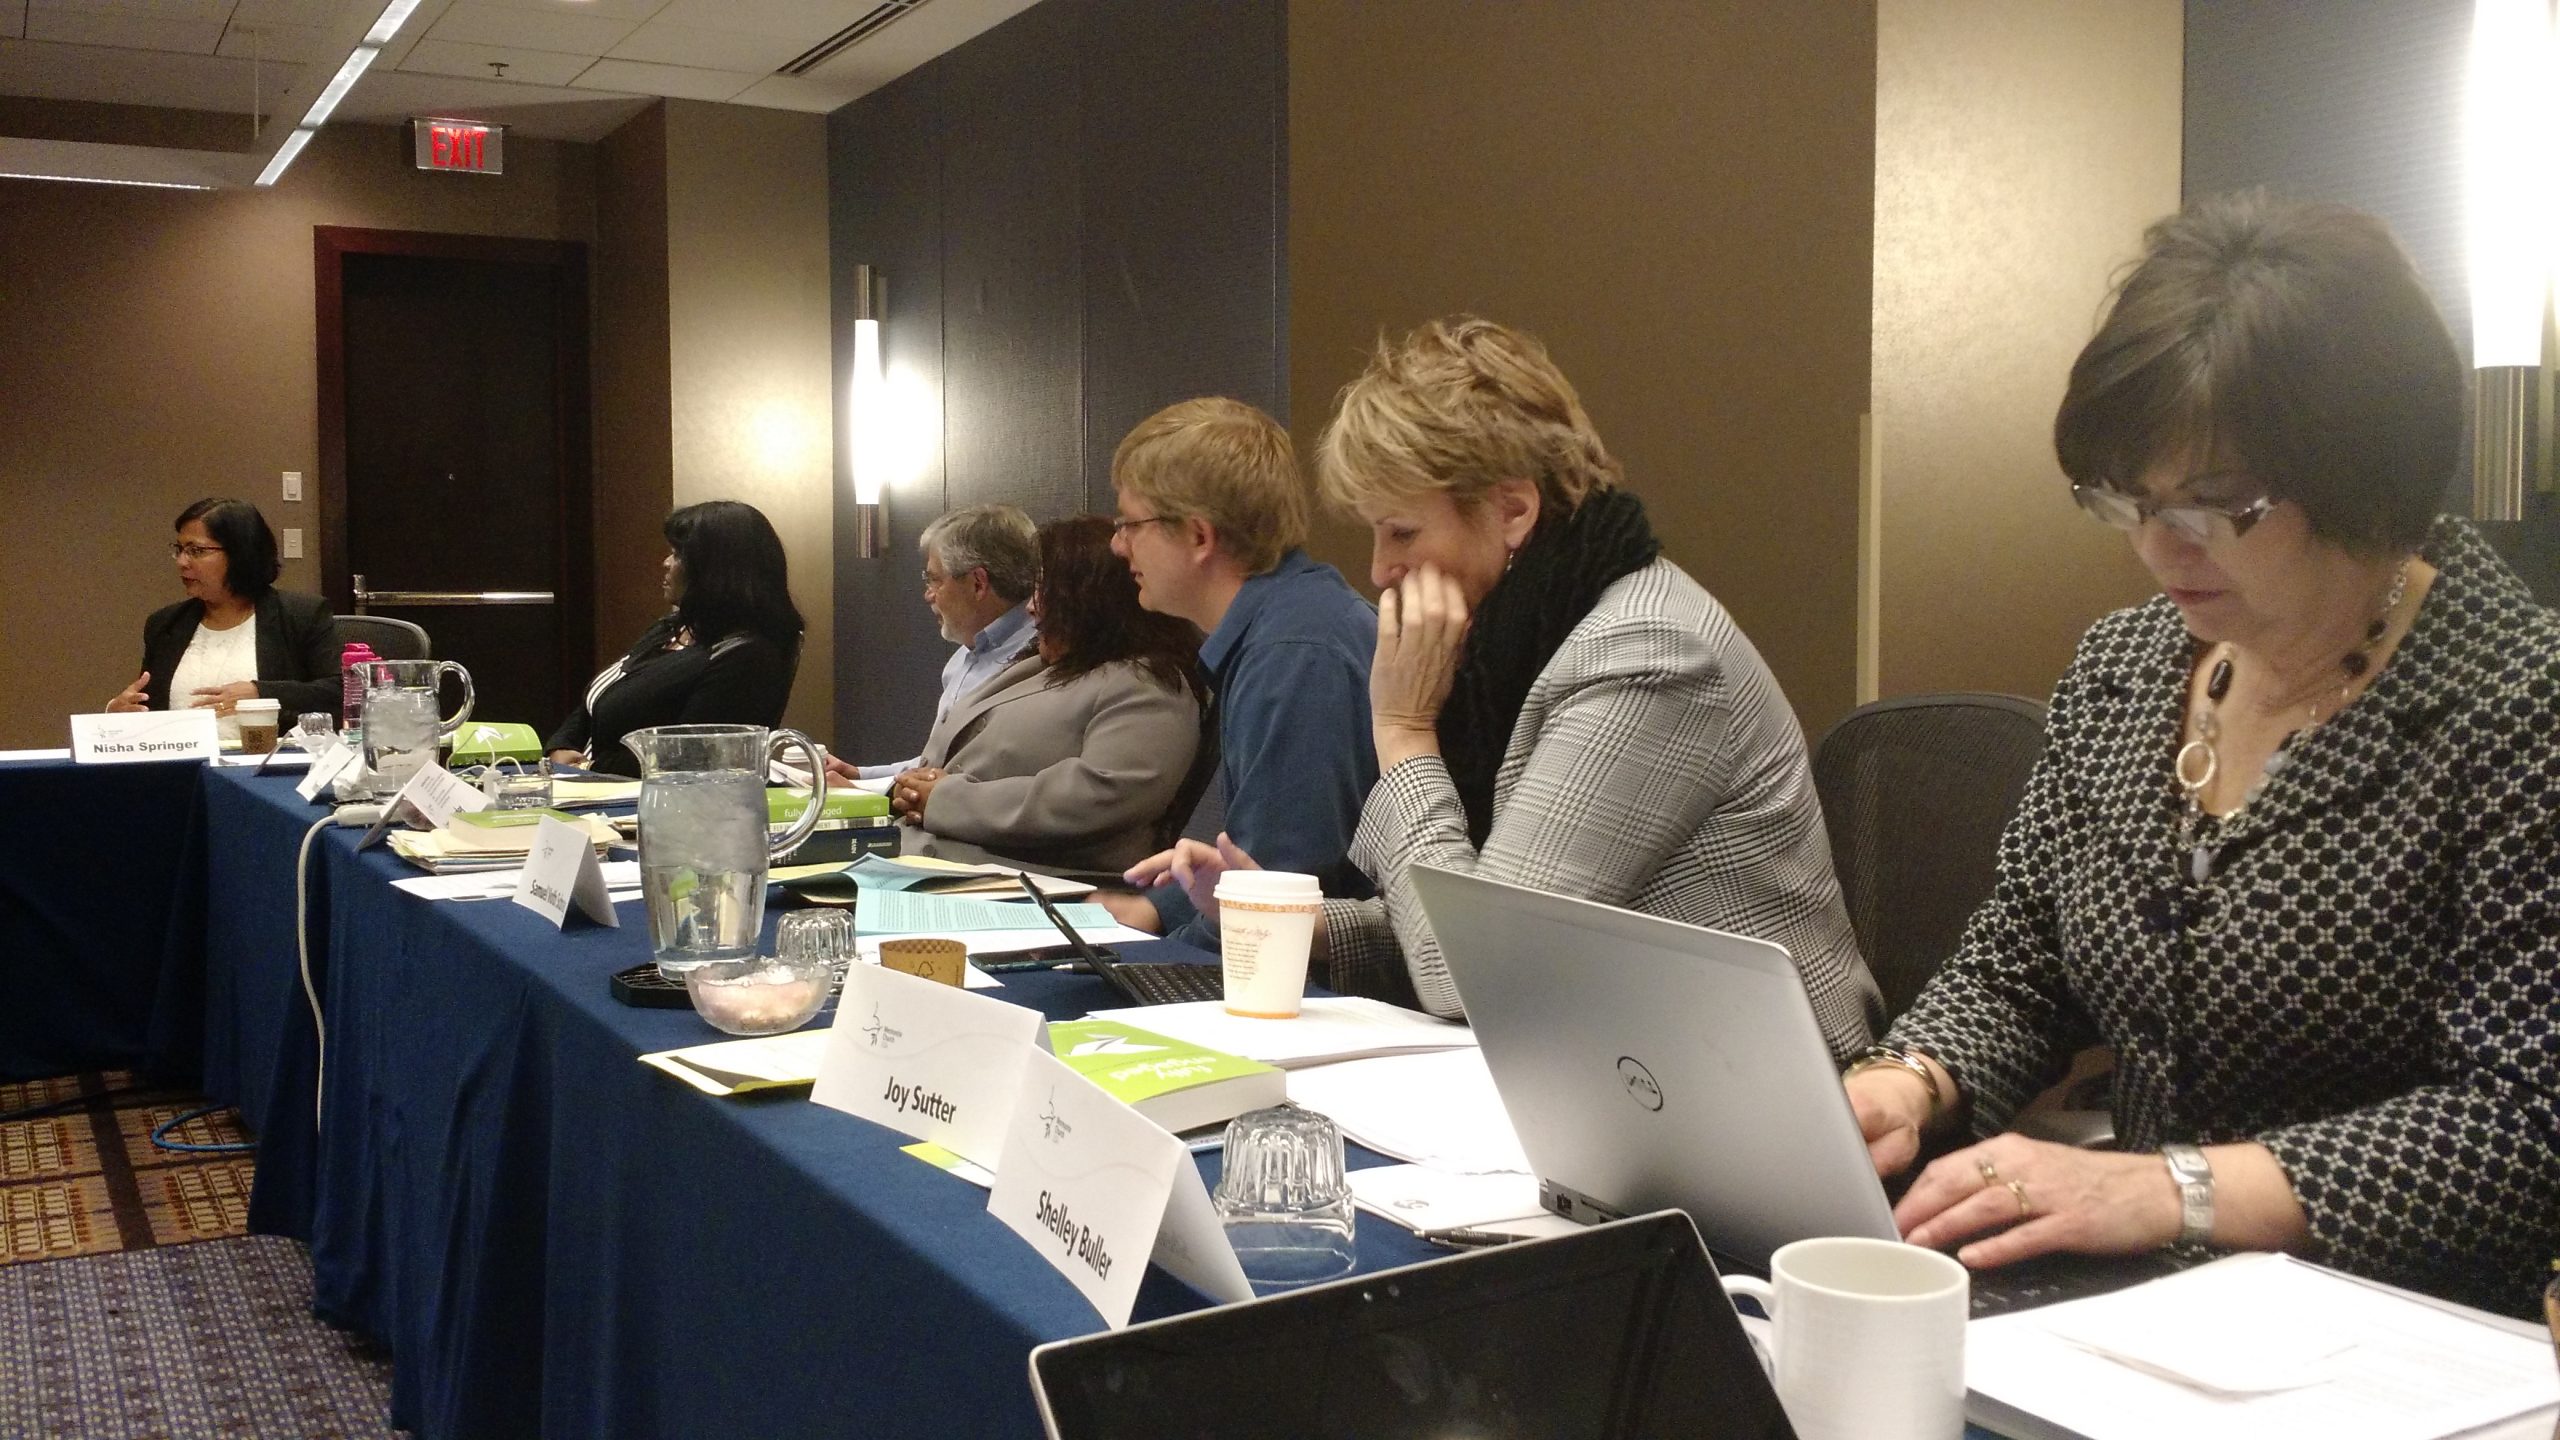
x=215, y=658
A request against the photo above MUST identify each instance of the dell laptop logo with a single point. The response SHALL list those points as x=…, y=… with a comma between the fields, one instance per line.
x=1640, y=1083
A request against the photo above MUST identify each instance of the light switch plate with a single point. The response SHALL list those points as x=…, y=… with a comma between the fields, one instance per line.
x=293, y=484
x=293, y=542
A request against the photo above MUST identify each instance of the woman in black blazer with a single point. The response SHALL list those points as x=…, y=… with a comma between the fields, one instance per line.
x=725, y=655
x=288, y=651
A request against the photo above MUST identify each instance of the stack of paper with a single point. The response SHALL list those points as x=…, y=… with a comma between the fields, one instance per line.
x=1329, y=1028
x=1437, y=1109
x=2255, y=1346
x=459, y=849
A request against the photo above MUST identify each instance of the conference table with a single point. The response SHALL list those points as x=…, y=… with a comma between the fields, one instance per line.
x=549, y=1238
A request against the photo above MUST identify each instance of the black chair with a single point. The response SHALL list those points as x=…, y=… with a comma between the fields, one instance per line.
x=1915, y=792
x=391, y=639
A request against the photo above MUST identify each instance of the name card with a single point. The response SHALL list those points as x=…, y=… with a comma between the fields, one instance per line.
x=929, y=1061
x=1099, y=1189
x=332, y=756
x=436, y=794
x=138, y=735
x=562, y=869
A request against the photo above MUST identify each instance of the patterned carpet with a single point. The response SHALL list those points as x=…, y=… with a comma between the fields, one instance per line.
x=113, y=1326
x=88, y=1181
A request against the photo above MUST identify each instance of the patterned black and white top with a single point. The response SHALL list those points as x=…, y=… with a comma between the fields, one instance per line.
x=2366, y=981
x=1656, y=766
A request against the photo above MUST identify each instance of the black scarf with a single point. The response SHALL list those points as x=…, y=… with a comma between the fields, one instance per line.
x=1553, y=582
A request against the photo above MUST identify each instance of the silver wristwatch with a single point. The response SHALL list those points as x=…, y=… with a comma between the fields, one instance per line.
x=2194, y=1176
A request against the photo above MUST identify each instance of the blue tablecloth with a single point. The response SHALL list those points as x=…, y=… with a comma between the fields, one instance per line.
x=101, y=907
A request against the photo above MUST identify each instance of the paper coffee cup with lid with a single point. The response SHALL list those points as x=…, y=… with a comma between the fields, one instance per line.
x=1266, y=924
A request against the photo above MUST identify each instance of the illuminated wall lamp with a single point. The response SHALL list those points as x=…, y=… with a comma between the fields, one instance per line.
x=2507, y=120
x=870, y=413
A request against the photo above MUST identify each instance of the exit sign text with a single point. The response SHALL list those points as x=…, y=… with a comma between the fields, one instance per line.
x=463, y=145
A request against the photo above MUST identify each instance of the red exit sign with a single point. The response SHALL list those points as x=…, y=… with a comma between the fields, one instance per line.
x=464, y=145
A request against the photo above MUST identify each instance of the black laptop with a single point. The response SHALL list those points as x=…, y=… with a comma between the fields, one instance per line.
x=1617, y=1332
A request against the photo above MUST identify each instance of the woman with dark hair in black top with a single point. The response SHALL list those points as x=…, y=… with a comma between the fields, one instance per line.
x=236, y=636
x=725, y=655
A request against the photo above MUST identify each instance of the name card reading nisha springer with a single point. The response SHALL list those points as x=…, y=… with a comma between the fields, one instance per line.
x=930, y=1061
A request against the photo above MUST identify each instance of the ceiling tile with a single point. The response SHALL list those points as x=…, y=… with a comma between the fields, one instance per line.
x=611, y=9
x=788, y=92
x=681, y=82
x=706, y=49
x=130, y=32
x=134, y=77
x=13, y=19
x=200, y=10
x=524, y=67
x=311, y=13
x=268, y=43
x=534, y=111
x=808, y=21
x=484, y=24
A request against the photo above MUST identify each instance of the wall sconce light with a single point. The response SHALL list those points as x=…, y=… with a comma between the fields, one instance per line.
x=869, y=450
x=2507, y=114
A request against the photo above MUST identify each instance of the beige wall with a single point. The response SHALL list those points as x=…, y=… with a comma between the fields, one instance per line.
x=749, y=357
x=2021, y=146
x=157, y=346
x=1677, y=197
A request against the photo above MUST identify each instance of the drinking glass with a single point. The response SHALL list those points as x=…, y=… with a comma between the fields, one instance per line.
x=816, y=936
x=1285, y=1199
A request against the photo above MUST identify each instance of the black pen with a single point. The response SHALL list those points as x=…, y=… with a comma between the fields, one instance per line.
x=1466, y=1237
x=1015, y=967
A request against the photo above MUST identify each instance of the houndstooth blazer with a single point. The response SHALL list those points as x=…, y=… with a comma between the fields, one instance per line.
x=2366, y=979
x=1655, y=766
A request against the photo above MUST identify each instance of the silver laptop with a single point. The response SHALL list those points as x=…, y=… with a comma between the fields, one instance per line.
x=1649, y=1064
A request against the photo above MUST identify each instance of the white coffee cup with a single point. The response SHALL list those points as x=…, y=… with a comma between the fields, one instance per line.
x=1869, y=1336
x=258, y=721
x=1266, y=924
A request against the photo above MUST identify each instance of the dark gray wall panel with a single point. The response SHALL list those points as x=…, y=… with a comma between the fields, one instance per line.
x=1185, y=126
x=1081, y=216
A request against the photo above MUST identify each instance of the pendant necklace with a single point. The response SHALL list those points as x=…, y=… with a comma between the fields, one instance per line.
x=2199, y=761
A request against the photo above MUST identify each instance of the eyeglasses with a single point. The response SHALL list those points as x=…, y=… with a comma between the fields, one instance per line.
x=1123, y=527
x=2201, y=524
x=192, y=552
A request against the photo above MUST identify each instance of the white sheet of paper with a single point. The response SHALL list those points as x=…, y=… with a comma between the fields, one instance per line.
x=436, y=795
x=927, y=1060
x=561, y=870
x=2416, y=1369
x=792, y=1058
x=333, y=756
x=61, y=754
x=1326, y=1029
x=137, y=735
x=1437, y=1108
x=621, y=881
x=906, y=912
x=1085, y=1179
x=282, y=759
x=1419, y=1198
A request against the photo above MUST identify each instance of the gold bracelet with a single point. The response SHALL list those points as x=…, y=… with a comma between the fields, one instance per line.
x=1876, y=1056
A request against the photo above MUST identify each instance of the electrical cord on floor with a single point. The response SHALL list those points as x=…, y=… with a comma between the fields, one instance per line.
x=350, y=817
x=160, y=1135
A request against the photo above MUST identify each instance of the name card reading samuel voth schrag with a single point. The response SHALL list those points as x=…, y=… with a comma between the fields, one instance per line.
x=1099, y=1189
x=927, y=1060
x=561, y=869
x=137, y=735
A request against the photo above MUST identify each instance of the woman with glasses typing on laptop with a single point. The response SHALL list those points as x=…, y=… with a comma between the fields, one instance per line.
x=2293, y=849
x=1554, y=704
x=236, y=636
x=1075, y=756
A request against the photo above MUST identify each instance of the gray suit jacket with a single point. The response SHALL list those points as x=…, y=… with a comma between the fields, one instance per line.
x=1073, y=774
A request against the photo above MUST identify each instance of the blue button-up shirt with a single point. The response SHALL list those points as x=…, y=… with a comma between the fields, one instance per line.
x=969, y=667
x=1289, y=663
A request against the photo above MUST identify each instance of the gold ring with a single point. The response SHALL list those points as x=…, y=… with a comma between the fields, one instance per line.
x=2019, y=1189
x=1990, y=1172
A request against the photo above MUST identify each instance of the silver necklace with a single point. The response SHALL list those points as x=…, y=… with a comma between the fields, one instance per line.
x=2200, y=761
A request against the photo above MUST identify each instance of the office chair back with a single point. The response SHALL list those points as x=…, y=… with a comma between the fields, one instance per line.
x=391, y=639
x=1194, y=804
x=1915, y=793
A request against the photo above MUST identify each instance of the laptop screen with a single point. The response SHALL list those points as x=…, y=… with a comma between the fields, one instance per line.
x=1617, y=1332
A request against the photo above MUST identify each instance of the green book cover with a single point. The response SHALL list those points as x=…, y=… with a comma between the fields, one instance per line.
x=1178, y=1085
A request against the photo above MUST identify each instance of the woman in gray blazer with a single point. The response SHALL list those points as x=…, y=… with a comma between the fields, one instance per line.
x=1074, y=756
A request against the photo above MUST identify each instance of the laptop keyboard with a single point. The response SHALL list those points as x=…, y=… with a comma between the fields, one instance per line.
x=1165, y=984
x=2051, y=1279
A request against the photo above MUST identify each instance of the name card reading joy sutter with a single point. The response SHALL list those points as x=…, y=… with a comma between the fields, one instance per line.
x=1098, y=1189
x=137, y=735
x=562, y=868
x=927, y=1060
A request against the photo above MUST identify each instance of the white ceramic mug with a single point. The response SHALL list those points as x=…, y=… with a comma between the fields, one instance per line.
x=1266, y=924
x=1869, y=1336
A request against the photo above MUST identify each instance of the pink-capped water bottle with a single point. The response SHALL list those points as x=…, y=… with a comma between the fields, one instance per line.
x=351, y=686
